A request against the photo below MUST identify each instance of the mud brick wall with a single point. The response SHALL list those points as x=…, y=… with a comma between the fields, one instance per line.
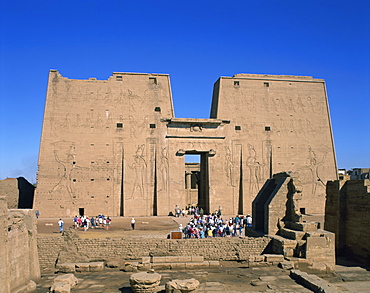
x=135, y=248
x=49, y=248
x=348, y=216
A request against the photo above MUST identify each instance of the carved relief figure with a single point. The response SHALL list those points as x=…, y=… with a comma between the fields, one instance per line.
x=132, y=126
x=139, y=166
x=254, y=170
x=163, y=169
x=145, y=124
x=65, y=166
x=314, y=167
x=229, y=166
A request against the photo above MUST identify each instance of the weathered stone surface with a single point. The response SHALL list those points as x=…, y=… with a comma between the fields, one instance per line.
x=274, y=257
x=130, y=267
x=145, y=282
x=96, y=266
x=18, y=250
x=82, y=267
x=286, y=265
x=183, y=286
x=313, y=282
x=196, y=265
x=60, y=288
x=67, y=279
x=347, y=215
x=279, y=123
x=66, y=267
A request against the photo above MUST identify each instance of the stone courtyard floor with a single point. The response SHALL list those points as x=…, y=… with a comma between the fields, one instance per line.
x=231, y=277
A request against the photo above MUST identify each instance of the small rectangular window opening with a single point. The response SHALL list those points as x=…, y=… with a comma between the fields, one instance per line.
x=152, y=125
x=267, y=128
x=266, y=84
x=157, y=109
x=236, y=83
x=119, y=77
x=238, y=127
x=119, y=125
x=153, y=80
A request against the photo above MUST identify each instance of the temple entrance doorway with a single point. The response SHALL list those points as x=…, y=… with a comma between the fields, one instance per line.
x=197, y=179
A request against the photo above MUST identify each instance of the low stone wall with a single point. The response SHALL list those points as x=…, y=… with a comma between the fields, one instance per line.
x=69, y=249
x=19, y=266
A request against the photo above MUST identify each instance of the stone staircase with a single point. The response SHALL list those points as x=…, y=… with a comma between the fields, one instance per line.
x=309, y=247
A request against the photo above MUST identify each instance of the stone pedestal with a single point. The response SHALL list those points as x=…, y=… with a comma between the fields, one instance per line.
x=145, y=282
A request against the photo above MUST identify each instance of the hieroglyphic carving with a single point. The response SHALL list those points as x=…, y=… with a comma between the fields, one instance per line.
x=163, y=169
x=254, y=170
x=139, y=166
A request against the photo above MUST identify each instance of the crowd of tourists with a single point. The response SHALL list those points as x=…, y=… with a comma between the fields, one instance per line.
x=213, y=225
x=85, y=222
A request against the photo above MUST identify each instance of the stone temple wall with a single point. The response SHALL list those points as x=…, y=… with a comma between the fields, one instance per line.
x=347, y=214
x=19, y=268
x=64, y=249
x=114, y=146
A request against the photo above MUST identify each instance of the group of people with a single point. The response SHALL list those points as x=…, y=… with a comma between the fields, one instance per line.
x=207, y=226
x=85, y=222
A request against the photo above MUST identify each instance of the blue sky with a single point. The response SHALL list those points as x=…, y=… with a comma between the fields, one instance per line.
x=195, y=42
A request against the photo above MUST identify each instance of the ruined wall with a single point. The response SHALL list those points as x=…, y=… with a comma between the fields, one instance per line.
x=135, y=248
x=347, y=214
x=19, y=268
x=18, y=191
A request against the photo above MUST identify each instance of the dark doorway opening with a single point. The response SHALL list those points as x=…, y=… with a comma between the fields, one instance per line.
x=81, y=211
x=202, y=177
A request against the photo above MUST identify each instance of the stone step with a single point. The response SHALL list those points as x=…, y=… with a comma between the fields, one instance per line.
x=292, y=234
x=302, y=226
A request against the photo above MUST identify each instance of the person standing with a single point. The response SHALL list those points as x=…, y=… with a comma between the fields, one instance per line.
x=37, y=214
x=133, y=224
x=60, y=224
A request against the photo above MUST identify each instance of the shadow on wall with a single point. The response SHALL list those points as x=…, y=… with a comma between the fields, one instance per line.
x=26, y=192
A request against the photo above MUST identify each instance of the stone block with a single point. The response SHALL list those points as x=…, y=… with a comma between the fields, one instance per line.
x=60, y=288
x=145, y=259
x=177, y=266
x=96, y=266
x=196, y=265
x=184, y=258
x=183, y=286
x=172, y=259
x=274, y=257
x=214, y=264
x=161, y=266
x=130, y=267
x=195, y=258
x=82, y=267
x=66, y=267
x=156, y=259
x=286, y=265
x=67, y=278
